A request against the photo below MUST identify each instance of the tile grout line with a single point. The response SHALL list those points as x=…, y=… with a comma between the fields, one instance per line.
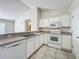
x=56, y=54
x=67, y=56
x=44, y=53
x=42, y=56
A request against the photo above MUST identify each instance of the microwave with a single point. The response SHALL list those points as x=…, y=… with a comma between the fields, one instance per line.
x=55, y=24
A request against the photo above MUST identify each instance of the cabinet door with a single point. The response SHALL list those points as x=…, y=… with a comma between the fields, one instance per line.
x=37, y=42
x=66, y=42
x=30, y=46
x=43, y=23
x=54, y=19
x=75, y=43
x=65, y=19
x=41, y=40
x=46, y=38
x=14, y=51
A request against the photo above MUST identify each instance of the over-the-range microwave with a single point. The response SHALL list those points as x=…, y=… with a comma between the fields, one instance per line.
x=55, y=24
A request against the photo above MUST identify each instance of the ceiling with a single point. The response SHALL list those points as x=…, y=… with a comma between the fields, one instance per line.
x=55, y=4
x=11, y=9
x=49, y=4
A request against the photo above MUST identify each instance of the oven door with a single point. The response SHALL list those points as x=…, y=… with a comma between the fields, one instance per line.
x=55, y=39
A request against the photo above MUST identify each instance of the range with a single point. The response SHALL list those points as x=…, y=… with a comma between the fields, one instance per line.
x=55, y=35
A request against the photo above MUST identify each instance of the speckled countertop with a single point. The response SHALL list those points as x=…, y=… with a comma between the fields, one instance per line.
x=66, y=33
x=62, y=33
x=17, y=38
x=11, y=40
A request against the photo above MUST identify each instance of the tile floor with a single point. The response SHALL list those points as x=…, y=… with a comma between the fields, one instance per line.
x=51, y=53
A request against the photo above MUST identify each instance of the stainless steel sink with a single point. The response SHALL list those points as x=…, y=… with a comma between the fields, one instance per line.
x=27, y=35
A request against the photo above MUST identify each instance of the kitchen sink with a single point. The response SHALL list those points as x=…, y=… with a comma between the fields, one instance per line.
x=27, y=35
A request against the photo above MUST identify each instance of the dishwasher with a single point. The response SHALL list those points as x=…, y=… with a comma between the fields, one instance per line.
x=13, y=51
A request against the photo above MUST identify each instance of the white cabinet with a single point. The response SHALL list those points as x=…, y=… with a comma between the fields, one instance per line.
x=65, y=19
x=43, y=23
x=13, y=51
x=37, y=42
x=66, y=42
x=46, y=38
x=33, y=44
x=41, y=40
x=54, y=19
x=76, y=47
x=30, y=46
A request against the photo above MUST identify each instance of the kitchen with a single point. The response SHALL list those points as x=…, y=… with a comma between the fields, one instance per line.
x=38, y=30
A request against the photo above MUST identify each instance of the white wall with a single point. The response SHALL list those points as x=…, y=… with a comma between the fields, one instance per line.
x=11, y=9
x=9, y=25
x=74, y=5
x=75, y=26
x=51, y=13
x=30, y=14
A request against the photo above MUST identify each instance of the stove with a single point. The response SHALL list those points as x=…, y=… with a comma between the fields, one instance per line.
x=55, y=36
x=55, y=40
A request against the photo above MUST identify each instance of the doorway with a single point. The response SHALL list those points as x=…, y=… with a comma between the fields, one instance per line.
x=27, y=25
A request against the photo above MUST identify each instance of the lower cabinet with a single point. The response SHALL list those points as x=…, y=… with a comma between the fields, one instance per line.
x=66, y=42
x=13, y=51
x=46, y=37
x=37, y=43
x=41, y=40
x=34, y=43
x=30, y=46
x=22, y=49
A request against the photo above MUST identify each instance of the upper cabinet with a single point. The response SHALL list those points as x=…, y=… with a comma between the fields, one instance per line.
x=54, y=19
x=48, y=21
x=65, y=19
x=43, y=23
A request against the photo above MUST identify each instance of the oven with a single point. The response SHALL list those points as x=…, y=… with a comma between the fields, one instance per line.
x=55, y=27
x=55, y=38
x=55, y=35
x=55, y=41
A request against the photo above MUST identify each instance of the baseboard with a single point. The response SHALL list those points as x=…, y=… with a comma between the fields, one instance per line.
x=66, y=50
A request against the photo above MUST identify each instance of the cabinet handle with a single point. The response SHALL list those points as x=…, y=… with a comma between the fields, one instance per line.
x=14, y=45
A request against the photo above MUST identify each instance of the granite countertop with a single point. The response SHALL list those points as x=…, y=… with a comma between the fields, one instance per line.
x=66, y=33
x=17, y=38
x=11, y=40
